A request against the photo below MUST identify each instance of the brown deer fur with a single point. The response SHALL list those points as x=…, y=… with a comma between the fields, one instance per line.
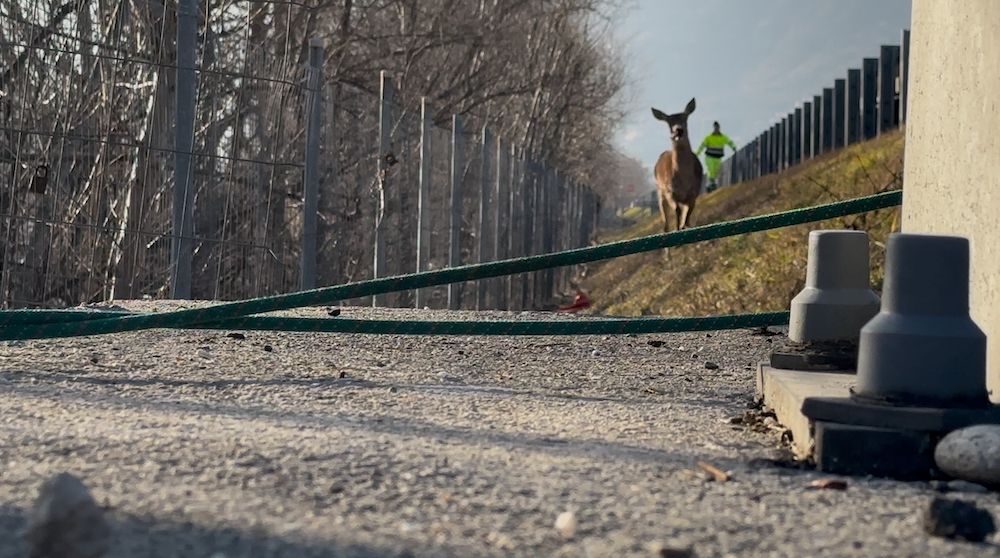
x=678, y=172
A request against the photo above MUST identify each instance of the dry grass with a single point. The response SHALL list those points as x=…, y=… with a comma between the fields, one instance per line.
x=757, y=272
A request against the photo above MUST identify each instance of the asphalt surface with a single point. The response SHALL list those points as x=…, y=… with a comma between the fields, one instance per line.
x=200, y=444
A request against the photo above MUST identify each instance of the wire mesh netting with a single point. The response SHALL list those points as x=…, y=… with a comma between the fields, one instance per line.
x=87, y=153
x=88, y=150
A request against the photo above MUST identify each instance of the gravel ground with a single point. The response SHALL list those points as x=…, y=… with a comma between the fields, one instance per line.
x=280, y=444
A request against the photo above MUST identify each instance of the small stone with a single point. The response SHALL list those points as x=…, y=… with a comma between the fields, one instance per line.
x=711, y=365
x=971, y=454
x=392, y=389
x=828, y=484
x=566, y=524
x=955, y=519
x=596, y=353
x=66, y=522
x=965, y=486
x=671, y=550
x=268, y=348
x=655, y=343
x=236, y=335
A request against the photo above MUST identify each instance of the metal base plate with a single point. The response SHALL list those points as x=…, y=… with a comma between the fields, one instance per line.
x=817, y=356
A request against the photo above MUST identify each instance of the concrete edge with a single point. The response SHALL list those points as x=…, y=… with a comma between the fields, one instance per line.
x=784, y=392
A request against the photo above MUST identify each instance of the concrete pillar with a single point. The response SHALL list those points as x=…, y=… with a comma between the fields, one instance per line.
x=952, y=145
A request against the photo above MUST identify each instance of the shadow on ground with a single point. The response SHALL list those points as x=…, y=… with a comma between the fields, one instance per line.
x=148, y=537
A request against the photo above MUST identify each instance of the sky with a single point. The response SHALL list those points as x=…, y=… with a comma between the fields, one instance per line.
x=747, y=63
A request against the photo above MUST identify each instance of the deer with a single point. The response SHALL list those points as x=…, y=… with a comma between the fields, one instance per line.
x=678, y=172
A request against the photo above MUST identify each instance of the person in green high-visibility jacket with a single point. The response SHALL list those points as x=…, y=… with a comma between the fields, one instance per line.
x=714, y=146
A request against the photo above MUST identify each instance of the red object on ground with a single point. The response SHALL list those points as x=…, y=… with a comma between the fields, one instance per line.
x=579, y=302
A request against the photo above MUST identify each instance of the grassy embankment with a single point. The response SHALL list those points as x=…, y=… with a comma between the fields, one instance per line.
x=756, y=272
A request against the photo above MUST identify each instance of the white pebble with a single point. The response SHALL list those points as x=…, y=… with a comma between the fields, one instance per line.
x=566, y=524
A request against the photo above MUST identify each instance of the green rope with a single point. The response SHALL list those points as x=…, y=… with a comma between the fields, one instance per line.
x=568, y=326
x=224, y=313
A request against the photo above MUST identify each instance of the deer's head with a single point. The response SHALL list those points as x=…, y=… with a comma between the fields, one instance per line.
x=677, y=122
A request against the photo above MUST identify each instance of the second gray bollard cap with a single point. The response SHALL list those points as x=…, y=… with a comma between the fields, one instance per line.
x=837, y=299
x=923, y=347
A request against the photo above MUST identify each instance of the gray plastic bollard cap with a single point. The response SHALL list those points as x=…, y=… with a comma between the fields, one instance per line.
x=837, y=299
x=923, y=347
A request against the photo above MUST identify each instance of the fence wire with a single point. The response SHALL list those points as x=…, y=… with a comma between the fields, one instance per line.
x=87, y=153
x=88, y=107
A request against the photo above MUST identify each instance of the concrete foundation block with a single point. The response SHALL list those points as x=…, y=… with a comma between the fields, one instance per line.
x=843, y=449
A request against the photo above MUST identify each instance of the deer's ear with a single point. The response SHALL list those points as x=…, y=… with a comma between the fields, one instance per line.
x=690, y=107
x=659, y=115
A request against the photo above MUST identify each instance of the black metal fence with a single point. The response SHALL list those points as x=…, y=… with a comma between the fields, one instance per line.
x=870, y=101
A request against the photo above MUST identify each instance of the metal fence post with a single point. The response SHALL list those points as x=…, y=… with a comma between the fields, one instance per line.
x=182, y=237
x=501, y=224
x=553, y=219
x=775, y=144
x=310, y=179
x=839, y=106
x=484, y=213
x=772, y=141
x=527, y=202
x=789, y=139
x=778, y=142
x=541, y=200
x=579, y=240
x=755, y=158
x=384, y=148
x=853, y=106
x=557, y=227
x=827, y=120
x=797, y=136
x=817, y=126
x=423, y=198
x=888, y=67
x=516, y=219
x=758, y=163
x=904, y=74
x=455, y=236
x=807, y=120
x=765, y=152
x=782, y=143
x=869, y=98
